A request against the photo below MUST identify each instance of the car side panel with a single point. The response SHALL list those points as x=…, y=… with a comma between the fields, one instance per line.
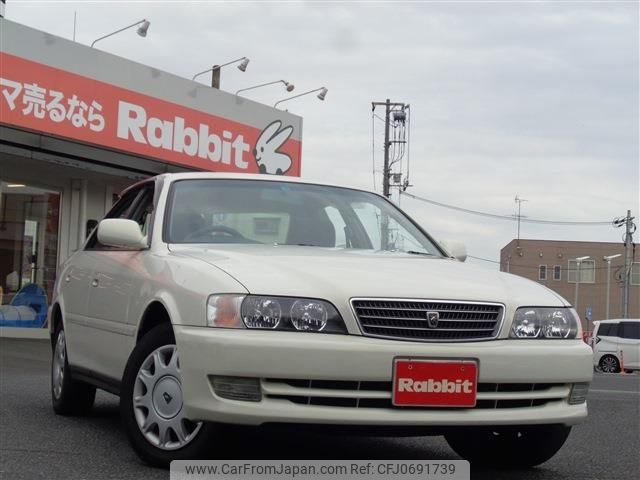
x=73, y=286
x=630, y=349
x=134, y=280
x=116, y=278
x=606, y=346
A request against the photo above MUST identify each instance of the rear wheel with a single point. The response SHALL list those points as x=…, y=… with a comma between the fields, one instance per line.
x=509, y=447
x=609, y=364
x=68, y=396
x=152, y=407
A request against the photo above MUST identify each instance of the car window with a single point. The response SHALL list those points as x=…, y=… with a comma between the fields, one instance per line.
x=250, y=211
x=142, y=209
x=136, y=204
x=630, y=330
x=377, y=222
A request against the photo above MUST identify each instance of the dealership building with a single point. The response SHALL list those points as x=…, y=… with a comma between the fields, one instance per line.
x=553, y=263
x=77, y=125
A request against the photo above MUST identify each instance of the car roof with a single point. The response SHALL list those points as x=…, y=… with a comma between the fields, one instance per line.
x=246, y=176
x=618, y=320
x=173, y=177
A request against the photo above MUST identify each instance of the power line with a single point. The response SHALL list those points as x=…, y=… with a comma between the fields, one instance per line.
x=503, y=217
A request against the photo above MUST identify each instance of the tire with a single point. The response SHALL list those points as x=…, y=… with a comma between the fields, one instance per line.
x=609, y=364
x=152, y=376
x=509, y=447
x=68, y=396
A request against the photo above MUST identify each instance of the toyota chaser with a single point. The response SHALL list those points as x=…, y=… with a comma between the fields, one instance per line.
x=209, y=299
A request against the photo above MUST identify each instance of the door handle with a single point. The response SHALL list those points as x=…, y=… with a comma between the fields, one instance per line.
x=94, y=282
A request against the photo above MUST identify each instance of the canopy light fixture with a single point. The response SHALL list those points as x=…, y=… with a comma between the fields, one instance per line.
x=323, y=93
x=215, y=70
x=288, y=86
x=142, y=30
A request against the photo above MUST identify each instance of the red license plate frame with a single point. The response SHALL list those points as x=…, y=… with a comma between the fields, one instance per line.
x=426, y=382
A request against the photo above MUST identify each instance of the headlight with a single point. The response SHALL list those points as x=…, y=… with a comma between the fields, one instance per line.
x=546, y=323
x=261, y=312
x=273, y=313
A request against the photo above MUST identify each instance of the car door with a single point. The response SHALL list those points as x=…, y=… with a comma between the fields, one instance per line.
x=97, y=340
x=629, y=344
x=75, y=281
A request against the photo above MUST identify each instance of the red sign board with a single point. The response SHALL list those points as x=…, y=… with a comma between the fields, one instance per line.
x=435, y=383
x=53, y=101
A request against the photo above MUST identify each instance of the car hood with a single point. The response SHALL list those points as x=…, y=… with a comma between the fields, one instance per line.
x=338, y=275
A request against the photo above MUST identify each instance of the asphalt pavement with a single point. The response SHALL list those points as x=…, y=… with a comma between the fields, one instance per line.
x=36, y=443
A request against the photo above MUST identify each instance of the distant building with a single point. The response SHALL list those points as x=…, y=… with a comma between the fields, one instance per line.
x=552, y=263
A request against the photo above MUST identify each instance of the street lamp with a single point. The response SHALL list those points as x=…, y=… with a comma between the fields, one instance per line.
x=289, y=86
x=215, y=70
x=608, y=260
x=323, y=93
x=142, y=30
x=579, y=261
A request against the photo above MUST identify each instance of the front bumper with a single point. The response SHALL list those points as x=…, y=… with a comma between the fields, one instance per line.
x=283, y=361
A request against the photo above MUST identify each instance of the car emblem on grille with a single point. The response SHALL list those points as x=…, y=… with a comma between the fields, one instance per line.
x=432, y=319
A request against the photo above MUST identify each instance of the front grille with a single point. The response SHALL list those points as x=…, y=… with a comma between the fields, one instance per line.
x=407, y=319
x=377, y=394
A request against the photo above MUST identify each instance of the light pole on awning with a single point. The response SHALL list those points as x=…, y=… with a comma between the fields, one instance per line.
x=287, y=85
x=142, y=30
x=215, y=70
x=323, y=93
x=608, y=260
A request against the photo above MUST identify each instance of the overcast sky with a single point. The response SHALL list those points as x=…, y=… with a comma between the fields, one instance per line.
x=534, y=99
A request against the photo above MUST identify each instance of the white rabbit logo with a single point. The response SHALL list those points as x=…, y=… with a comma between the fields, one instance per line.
x=268, y=158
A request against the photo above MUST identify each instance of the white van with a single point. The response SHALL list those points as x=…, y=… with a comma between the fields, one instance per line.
x=616, y=345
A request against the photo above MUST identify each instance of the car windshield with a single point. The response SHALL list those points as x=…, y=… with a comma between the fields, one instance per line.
x=269, y=212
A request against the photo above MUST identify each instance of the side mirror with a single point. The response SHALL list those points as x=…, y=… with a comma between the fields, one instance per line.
x=121, y=232
x=455, y=249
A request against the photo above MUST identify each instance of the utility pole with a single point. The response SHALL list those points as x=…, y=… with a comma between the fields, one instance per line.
x=630, y=229
x=628, y=263
x=386, y=169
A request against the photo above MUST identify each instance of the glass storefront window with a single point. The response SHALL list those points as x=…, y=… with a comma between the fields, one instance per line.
x=29, y=220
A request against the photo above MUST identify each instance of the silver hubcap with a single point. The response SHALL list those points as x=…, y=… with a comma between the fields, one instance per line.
x=57, y=366
x=157, y=401
x=609, y=365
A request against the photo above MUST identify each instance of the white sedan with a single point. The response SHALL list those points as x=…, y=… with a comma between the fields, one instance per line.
x=205, y=299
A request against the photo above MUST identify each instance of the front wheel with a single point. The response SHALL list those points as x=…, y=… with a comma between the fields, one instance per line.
x=509, y=447
x=152, y=408
x=609, y=364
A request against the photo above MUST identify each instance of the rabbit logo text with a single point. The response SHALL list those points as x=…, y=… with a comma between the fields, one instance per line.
x=175, y=135
x=269, y=159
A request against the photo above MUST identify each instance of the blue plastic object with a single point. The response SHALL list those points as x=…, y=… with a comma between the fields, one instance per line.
x=28, y=309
